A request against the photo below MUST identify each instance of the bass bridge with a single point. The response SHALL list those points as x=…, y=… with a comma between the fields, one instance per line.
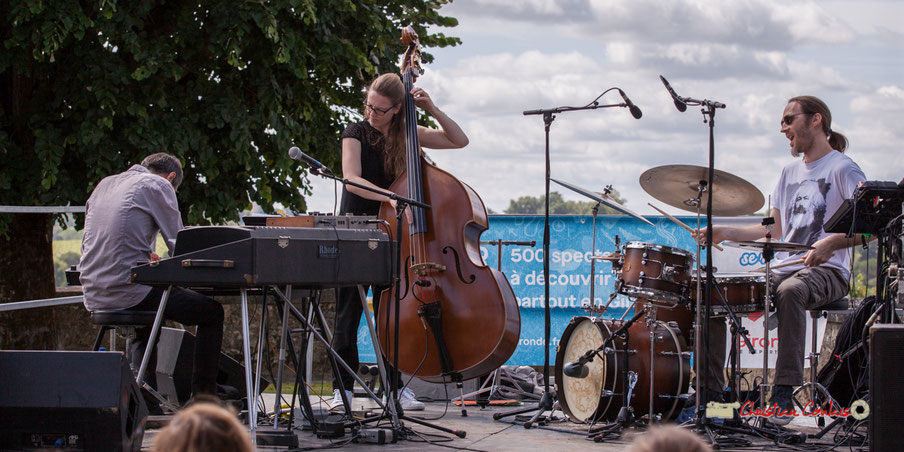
x=426, y=268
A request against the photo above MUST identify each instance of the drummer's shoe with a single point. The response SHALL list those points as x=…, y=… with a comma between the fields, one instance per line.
x=711, y=396
x=688, y=413
x=781, y=401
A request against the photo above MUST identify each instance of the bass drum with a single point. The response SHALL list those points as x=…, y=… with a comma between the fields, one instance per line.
x=681, y=316
x=598, y=397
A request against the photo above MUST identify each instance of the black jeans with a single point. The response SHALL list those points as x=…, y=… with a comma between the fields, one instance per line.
x=345, y=334
x=189, y=308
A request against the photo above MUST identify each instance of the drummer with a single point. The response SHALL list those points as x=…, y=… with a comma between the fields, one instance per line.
x=808, y=192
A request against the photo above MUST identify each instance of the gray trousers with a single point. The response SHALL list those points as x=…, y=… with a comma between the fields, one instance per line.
x=794, y=295
x=810, y=288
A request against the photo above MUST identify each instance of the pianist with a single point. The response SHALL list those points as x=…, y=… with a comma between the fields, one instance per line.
x=123, y=216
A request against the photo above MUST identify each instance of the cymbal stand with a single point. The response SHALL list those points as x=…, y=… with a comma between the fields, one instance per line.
x=699, y=319
x=651, y=322
x=595, y=211
x=547, y=401
x=768, y=254
x=737, y=330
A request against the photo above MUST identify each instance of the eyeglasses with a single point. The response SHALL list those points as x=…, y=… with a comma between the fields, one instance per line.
x=788, y=119
x=381, y=111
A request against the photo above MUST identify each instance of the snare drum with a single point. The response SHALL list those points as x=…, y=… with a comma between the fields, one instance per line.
x=744, y=293
x=599, y=395
x=654, y=272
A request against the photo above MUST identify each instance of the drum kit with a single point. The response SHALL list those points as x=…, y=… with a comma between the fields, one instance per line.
x=611, y=370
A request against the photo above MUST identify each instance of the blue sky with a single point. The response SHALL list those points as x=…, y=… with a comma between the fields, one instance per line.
x=751, y=55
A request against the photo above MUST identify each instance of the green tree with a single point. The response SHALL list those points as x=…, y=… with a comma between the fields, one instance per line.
x=529, y=205
x=863, y=263
x=90, y=88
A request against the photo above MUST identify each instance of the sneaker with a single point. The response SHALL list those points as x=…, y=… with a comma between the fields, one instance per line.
x=781, y=401
x=336, y=403
x=409, y=401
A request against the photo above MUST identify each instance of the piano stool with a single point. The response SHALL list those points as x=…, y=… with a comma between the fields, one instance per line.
x=123, y=322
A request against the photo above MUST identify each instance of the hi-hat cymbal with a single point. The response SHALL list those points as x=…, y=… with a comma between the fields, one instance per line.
x=679, y=186
x=773, y=245
x=602, y=198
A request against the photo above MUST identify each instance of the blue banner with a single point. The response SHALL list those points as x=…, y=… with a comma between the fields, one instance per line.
x=569, y=268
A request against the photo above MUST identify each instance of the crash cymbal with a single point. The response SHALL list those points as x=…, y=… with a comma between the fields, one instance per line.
x=602, y=198
x=678, y=186
x=773, y=245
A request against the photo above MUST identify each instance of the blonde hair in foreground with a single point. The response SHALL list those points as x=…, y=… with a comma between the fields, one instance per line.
x=668, y=439
x=203, y=427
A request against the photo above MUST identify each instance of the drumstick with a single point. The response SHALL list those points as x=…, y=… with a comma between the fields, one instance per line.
x=786, y=264
x=679, y=223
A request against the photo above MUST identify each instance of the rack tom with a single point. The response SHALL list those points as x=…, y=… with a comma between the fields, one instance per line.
x=654, y=272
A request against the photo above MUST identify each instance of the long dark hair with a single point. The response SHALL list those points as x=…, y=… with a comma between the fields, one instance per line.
x=391, y=87
x=811, y=105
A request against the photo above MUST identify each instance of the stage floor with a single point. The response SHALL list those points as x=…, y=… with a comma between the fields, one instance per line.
x=508, y=434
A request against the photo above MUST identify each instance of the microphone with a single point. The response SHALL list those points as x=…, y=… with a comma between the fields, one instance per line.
x=576, y=369
x=296, y=154
x=634, y=110
x=679, y=104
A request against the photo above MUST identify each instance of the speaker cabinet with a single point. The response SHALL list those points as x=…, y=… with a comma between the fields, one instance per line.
x=175, y=349
x=886, y=398
x=66, y=400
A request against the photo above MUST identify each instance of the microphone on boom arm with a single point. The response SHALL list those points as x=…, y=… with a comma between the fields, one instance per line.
x=635, y=110
x=578, y=369
x=296, y=154
x=679, y=102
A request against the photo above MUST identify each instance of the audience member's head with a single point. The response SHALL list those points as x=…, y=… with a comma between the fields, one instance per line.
x=669, y=439
x=203, y=427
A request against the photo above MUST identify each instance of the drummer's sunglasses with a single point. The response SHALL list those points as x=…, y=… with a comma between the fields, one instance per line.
x=788, y=119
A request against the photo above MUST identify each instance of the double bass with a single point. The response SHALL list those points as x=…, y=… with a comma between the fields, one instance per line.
x=457, y=317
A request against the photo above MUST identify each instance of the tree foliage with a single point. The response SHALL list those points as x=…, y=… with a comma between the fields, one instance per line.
x=90, y=88
x=529, y=205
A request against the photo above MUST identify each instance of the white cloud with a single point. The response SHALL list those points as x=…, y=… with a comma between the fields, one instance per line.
x=750, y=55
x=764, y=24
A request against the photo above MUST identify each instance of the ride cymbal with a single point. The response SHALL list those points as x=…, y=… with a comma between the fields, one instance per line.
x=682, y=185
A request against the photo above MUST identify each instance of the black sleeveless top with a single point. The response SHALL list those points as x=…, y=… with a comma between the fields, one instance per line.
x=372, y=157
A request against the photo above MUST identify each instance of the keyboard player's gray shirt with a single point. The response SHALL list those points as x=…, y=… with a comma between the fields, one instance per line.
x=123, y=215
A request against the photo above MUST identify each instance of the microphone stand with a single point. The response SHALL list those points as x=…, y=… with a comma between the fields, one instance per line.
x=546, y=401
x=701, y=422
x=709, y=117
x=391, y=388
